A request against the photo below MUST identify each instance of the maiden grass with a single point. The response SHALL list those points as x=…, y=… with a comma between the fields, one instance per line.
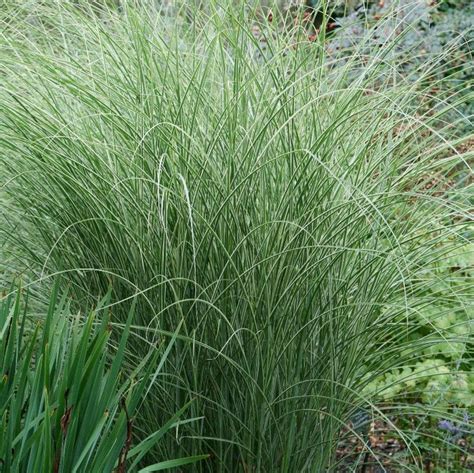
x=244, y=183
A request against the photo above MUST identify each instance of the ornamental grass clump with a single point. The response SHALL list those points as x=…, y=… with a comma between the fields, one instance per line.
x=239, y=180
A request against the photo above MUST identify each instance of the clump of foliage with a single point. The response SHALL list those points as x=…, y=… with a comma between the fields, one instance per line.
x=65, y=405
x=245, y=185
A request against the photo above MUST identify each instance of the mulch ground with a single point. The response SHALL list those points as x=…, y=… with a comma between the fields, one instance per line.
x=381, y=450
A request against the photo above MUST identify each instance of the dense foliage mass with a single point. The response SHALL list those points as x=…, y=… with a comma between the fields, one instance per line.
x=290, y=193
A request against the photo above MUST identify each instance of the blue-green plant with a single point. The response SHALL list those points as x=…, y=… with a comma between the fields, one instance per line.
x=233, y=178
